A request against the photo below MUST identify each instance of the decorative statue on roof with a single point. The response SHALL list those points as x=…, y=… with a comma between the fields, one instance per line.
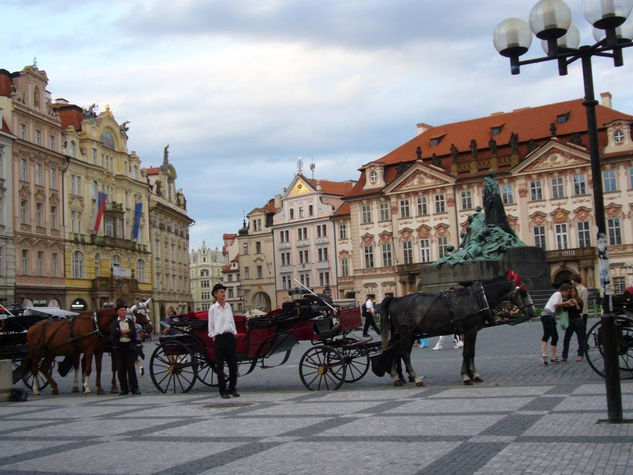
x=435, y=160
x=514, y=142
x=488, y=236
x=123, y=128
x=418, y=152
x=492, y=143
x=454, y=153
x=473, y=148
x=91, y=112
x=166, y=155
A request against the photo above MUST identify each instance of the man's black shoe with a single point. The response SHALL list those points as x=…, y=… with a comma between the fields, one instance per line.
x=234, y=393
x=123, y=393
x=225, y=396
x=136, y=392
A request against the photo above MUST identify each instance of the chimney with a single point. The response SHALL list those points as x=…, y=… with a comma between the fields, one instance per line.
x=422, y=127
x=277, y=201
x=605, y=99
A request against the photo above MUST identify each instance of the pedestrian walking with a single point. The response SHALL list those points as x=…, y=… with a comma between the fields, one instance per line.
x=369, y=312
x=222, y=330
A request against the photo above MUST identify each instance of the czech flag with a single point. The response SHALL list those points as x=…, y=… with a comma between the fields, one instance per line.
x=99, y=209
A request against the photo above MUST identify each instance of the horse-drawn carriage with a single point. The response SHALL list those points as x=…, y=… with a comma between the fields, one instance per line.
x=335, y=357
x=594, y=346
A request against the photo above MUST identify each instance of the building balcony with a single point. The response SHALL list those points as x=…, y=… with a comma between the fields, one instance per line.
x=415, y=268
x=562, y=255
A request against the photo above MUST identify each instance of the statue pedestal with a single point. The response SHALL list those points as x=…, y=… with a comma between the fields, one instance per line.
x=528, y=261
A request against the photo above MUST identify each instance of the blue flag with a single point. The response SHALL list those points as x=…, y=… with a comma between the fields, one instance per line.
x=138, y=209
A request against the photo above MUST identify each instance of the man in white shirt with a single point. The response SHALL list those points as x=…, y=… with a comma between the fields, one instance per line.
x=370, y=314
x=222, y=330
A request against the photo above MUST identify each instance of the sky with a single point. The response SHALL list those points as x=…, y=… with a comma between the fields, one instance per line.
x=239, y=89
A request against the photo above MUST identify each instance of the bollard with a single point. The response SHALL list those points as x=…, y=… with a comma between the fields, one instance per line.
x=609, y=339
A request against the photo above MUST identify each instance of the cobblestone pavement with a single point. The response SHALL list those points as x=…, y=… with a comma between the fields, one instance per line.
x=526, y=418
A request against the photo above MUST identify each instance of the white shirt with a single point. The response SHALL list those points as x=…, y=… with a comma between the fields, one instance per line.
x=124, y=325
x=550, y=306
x=369, y=305
x=221, y=320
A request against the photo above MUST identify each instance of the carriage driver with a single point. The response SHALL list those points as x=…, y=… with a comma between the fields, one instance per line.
x=222, y=329
x=123, y=333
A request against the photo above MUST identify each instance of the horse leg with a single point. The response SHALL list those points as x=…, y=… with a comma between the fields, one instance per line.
x=406, y=355
x=76, y=373
x=45, y=367
x=98, y=361
x=113, y=387
x=476, y=377
x=87, y=370
x=394, y=368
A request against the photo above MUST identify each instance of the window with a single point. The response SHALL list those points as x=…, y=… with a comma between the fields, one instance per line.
x=97, y=264
x=618, y=136
x=561, y=236
x=562, y=118
x=580, y=185
x=344, y=267
x=292, y=213
x=304, y=278
x=283, y=236
x=23, y=131
x=507, y=194
x=342, y=231
x=536, y=191
x=407, y=251
x=630, y=177
x=53, y=179
x=321, y=230
x=116, y=260
x=95, y=191
x=247, y=272
x=404, y=208
x=204, y=295
x=383, y=210
x=496, y=130
x=109, y=228
x=24, y=212
x=38, y=137
x=140, y=270
x=365, y=214
x=322, y=254
x=286, y=282
x=584, y=236
x=304, y=257
x=75, y=221
x=40, y=263
x=258, y=247
x=609, y=181
x=425, y=250
x=54, y=261
x=38, y=174
x=324, y=279
x=93, y=156
x=38, y=214
x=387, y=259
x=558, y=189
x=467, y=200
x=422, y=206
x=538, y=232
x=442, y=244
x=615, y=232
x=25, y=261
x=310, y=210
x=440, y=206
x=245, y=248
x=260, y=272
x=302, y=234
x=301, y=212
x=619, y=285
x=23, y=171
x=77, y=265
x=205, y=283
x=369, y=257
x=285, y=259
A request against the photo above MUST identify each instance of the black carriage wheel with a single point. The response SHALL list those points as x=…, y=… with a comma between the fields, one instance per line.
x=594, y=348
x=173, y=367
x=206, y=371
x=27, y=377
x=356, y=363
x=322, y=368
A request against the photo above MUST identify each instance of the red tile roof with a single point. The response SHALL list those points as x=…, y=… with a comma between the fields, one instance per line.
x=332, y=187
x=342, y=210
x=5, y=83
x=530, y=124
x=69, y=114
x=151, y=170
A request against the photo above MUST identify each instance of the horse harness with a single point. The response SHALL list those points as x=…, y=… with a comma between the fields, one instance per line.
x=451, y=306
x=72, y=340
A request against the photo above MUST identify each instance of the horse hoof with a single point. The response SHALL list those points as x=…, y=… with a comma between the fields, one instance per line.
x=397, y=382
x=478, y=379
x=419, y=384
x=55, y=392
x=75, y=389
x=114, y=391
x=100, y=391
x=468, y=382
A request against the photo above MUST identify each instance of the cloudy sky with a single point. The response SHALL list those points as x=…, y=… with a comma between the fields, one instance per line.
x=239, y=89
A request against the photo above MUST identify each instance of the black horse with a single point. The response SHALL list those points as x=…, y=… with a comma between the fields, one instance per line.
x=466, y=310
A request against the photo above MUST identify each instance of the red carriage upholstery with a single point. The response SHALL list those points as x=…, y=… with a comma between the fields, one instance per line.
x=350, y=318
x=203, y=333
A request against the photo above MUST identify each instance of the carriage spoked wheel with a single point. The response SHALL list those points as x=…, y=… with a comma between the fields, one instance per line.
x=22, y=367
x=356, y=363
x=322, y=368
x=174, y=367
x=594, y=347
x=206, y=371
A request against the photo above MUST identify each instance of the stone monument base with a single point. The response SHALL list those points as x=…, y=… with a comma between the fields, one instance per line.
x=529, y=262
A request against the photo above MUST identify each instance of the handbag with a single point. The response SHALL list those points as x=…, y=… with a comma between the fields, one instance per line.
x=564, y=319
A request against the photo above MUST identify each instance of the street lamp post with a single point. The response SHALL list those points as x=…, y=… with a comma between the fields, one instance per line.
x=550, y=21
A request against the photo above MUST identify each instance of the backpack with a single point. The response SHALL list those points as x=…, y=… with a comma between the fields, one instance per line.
x=363, y=309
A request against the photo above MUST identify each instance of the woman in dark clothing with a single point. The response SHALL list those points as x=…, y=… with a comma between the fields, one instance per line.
x=123, y=333
x=576, y=325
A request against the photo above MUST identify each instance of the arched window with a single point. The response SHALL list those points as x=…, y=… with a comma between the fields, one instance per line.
x=140, y=270
x=116, y=260
x=78, y=265
x=97, y=264
x=204, y=273
x=36, y=97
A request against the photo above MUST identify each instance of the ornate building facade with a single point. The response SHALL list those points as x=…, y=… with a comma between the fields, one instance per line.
x=231, y=271
x=7, y=247
x=107, y=253
x=169, y=235
x=38, y=165
x=257, y=259
x=205, y=267
x=412, y=204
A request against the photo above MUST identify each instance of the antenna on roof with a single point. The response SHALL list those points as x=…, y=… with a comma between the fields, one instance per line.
x=312, y=167
x=299, y=165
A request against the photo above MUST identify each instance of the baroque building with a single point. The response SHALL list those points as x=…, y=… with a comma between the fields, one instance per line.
x=107, y=253
x=37, y=168
x=7, y=248
x=205, y=267
x=303, y=235
x=231, y=271
x=257, y=258
x=412, y=204
x=169, y=235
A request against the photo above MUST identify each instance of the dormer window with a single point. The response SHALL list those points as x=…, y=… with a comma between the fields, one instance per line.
x=496, y=130
x=435, y=141
x=618, y=136
x=373, y=176
x=562, y=118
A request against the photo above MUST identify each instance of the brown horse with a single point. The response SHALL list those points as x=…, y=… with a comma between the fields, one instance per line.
x=87, y=333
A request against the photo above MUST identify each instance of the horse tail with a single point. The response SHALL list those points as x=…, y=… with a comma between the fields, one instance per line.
x=384, y=321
